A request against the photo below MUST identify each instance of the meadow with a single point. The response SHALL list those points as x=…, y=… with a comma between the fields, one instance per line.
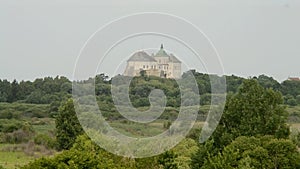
x=19, y=154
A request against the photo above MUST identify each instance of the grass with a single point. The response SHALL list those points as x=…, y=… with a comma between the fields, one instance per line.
x=48, y=126
x=295, y=127
x=294, y=114
x=14, y=158
x=11, y=160
x=138, y=129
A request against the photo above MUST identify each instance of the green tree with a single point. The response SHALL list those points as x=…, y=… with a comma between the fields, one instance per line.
x=67, y=125
x=291, y=102
x=290, y=87
x=168, y=160
x=298, y=99
x=253, y=111
x=252, y=152
x=268, y=82
x=14, y=91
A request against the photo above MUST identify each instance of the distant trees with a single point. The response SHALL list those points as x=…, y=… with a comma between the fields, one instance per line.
x=268, y=82
x=40, y=91
x=290, y=87
x=47, y=90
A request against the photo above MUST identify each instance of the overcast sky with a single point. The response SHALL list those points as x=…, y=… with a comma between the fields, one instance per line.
x=253, y=37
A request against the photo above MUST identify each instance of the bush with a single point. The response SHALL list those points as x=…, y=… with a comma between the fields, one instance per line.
x=296, y=138
x=291, y=102
x=18, y=136
x=7, y=125
x=298, y=99
x=6, y=114
x=45, y=140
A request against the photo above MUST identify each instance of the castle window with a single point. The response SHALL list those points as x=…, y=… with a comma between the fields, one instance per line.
x=144, y=66
x=147, y=66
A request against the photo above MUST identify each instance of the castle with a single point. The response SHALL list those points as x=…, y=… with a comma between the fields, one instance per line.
x=160, y=64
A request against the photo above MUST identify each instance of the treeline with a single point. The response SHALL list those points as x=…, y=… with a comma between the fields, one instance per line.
x=40, y=91
x=48, y=90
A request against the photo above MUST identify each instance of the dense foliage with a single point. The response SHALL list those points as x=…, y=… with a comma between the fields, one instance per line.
x=252, y=133
x=251, y=152
x=85, y=154
x=53, y=90
x=40, y=91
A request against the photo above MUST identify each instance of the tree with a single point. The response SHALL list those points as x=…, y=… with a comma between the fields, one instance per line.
x=253, y=111
x=67, y=125
x=14, y=91
x=268, y=82
x=143, y=73
x=168, y=160
x=298, y=99
x=35, y=97
x=252, y=152
x=290, y=87
x=291, y=102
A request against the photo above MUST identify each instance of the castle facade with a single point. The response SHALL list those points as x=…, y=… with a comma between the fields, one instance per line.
x=160, y=64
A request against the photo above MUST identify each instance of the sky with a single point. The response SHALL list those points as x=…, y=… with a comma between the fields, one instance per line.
x=252, y=37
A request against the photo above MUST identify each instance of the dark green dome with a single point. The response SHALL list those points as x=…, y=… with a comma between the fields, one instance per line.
x=161, y=52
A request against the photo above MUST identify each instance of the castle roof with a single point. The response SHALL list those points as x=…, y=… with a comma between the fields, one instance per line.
x=161, y=52
x=141, y=56
x=294, y=78
x=174, y=59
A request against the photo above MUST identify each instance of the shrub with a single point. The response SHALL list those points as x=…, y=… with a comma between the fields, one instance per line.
x=291, y=102
x=7, y=125
x=23, y=134
x=45, y=140
x=296, y=138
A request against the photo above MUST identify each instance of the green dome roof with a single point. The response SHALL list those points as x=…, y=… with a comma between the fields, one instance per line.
x=161, y=52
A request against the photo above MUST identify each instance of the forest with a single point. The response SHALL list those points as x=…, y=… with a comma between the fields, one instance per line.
x=259, y=128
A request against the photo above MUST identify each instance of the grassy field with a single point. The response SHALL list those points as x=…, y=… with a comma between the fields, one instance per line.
x=15, y=155
x=15, y=159
x=295, y=127
x=44, y=125
x=139, y=129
